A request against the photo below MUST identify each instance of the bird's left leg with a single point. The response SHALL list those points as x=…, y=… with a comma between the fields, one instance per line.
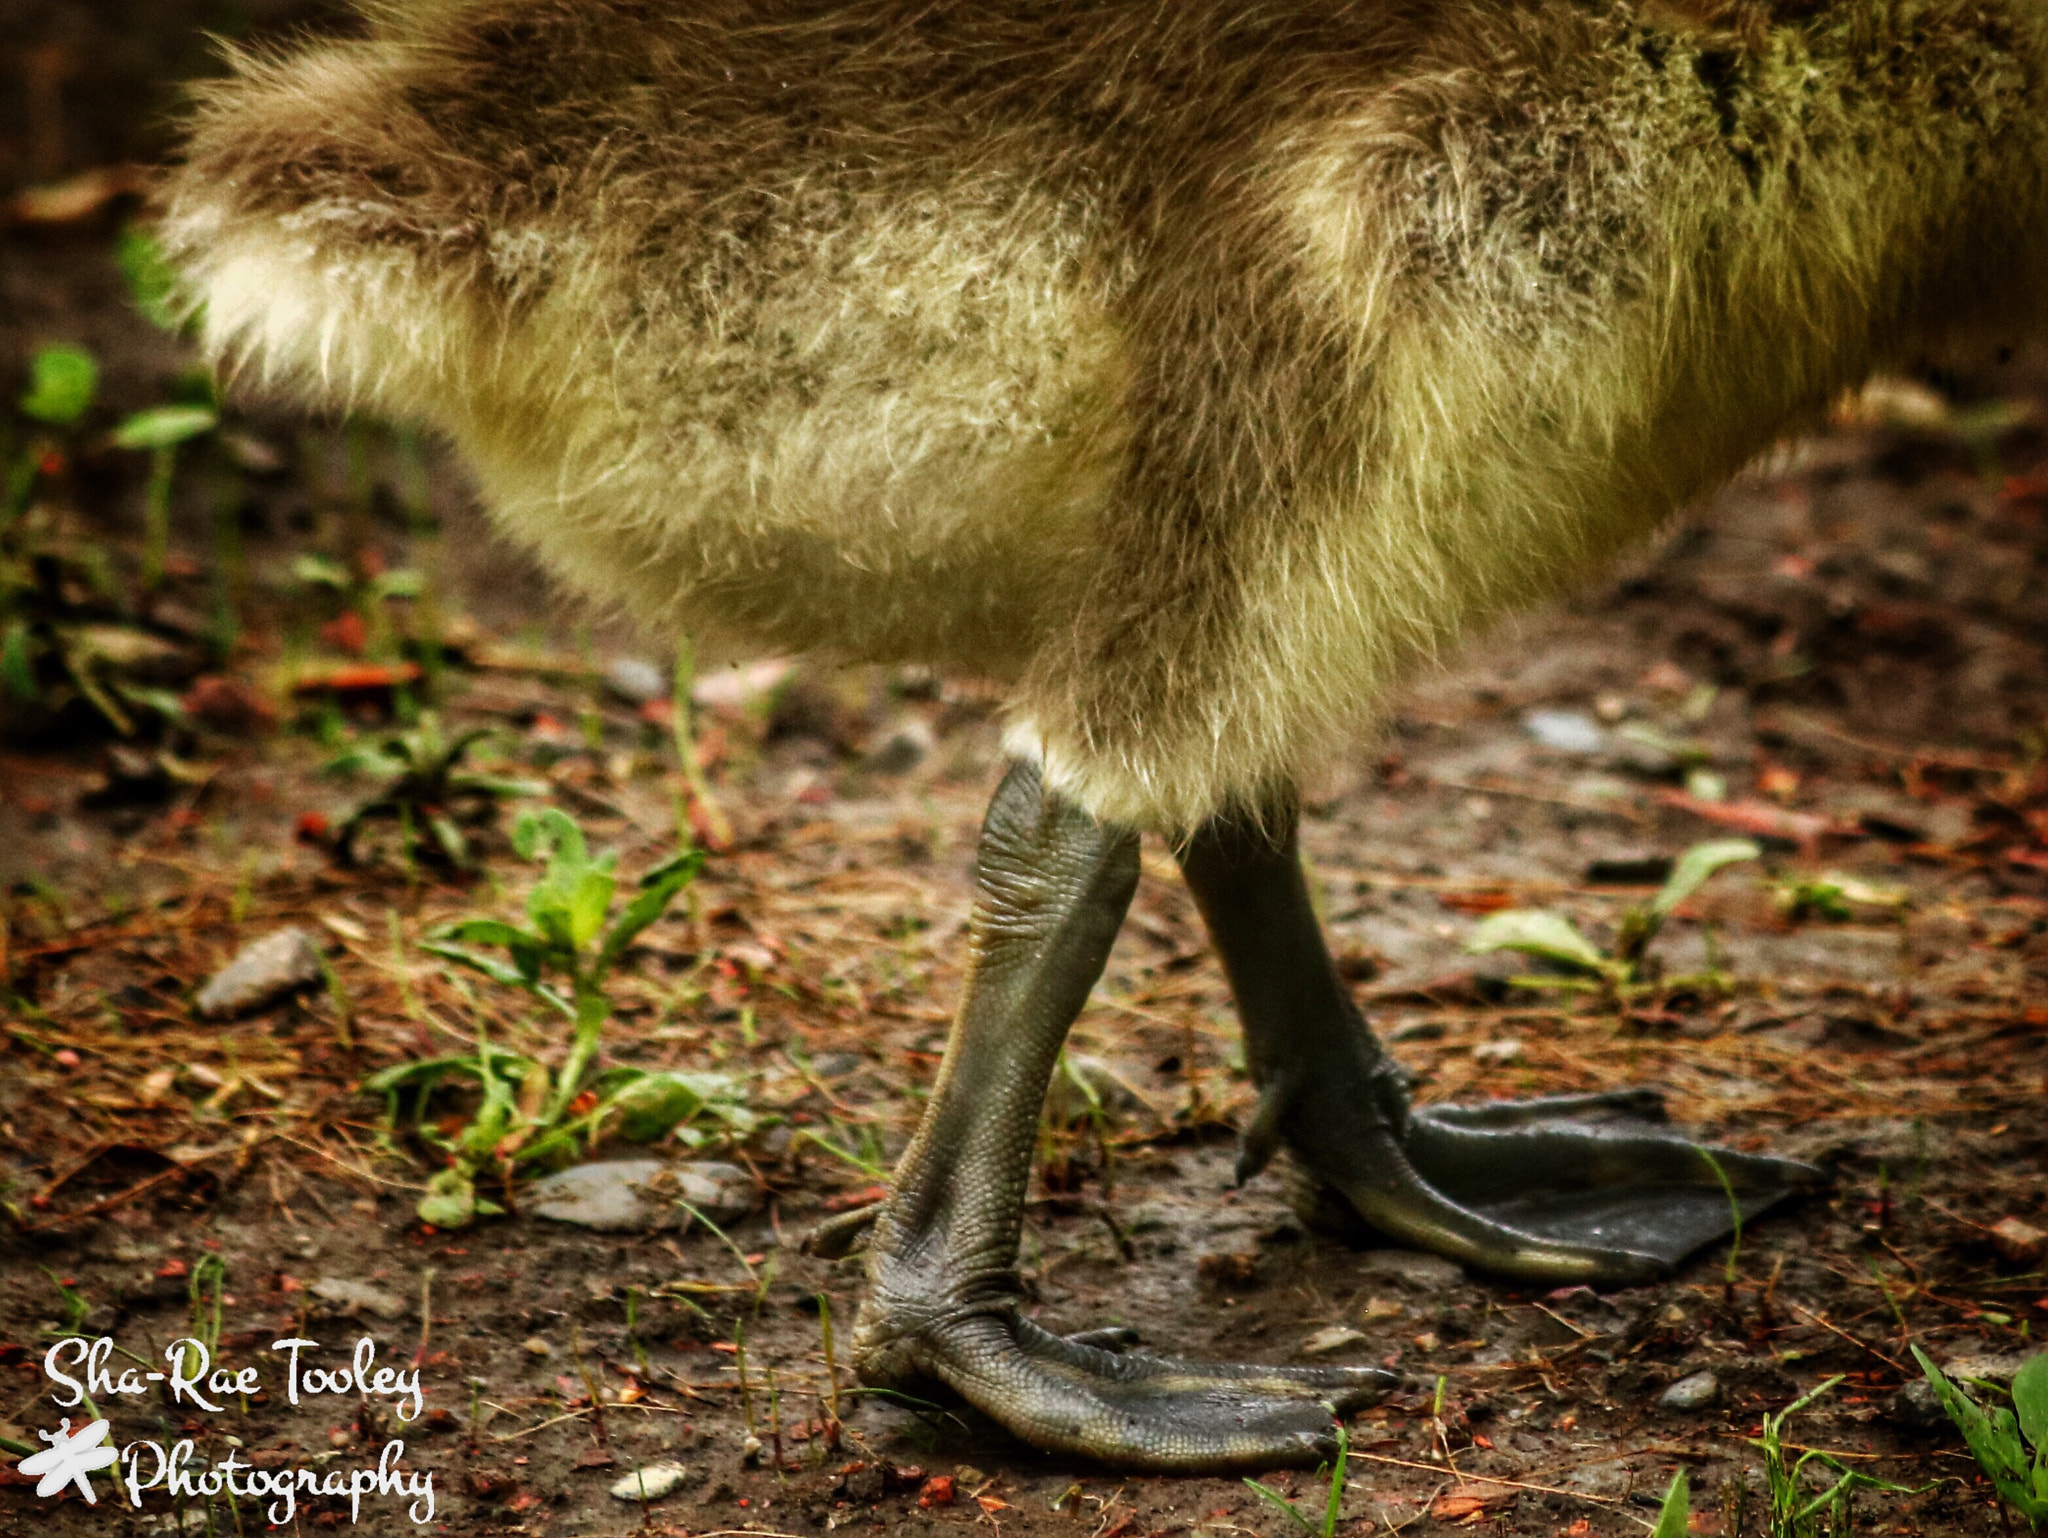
x=1524, y=1189
x=1052, y=885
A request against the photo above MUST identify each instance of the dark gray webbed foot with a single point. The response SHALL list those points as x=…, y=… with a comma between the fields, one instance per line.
x=1125, y=1407
x=1568, y=1188
x=1052, y=888
x=1517, y=1190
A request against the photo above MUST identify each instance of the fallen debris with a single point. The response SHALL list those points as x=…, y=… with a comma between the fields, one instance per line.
x=262, y=972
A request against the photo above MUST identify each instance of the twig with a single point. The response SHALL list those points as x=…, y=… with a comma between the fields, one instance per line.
x=1833, y=1329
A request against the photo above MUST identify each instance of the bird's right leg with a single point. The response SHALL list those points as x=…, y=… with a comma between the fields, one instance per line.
x=1052, y=887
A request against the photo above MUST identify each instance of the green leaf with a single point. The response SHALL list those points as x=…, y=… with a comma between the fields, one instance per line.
x=1533, y=932
x=1675, y=1519
x=648, y=904
x=486, y=932
x=152, y=281
x=163, y=427
x=549, y=834
x=398, y=584
x=17, y=661
x=2030, y=1400
x=450, y=839
x=589, y=900
x=1279, y=1502
x=429, y=1070
x=321, y=571
x=655, y=1104
x=495, y=785
x=496, y=970
x=1334, y=1504
x=62, y=383
x=450, y=1201
x=1696, y=867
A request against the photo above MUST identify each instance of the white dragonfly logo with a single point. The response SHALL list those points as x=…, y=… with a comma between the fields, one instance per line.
x=70, y=1458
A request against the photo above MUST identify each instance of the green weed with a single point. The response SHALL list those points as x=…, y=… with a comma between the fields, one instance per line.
x=1333, y=1498
x=1625, y=972
x=562, y=957
x=426, y=789
x=1793, y=1512
x=2001, y=1438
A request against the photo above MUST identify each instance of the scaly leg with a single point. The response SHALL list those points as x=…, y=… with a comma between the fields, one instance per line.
x=1513, y=1188
x=1053, y=885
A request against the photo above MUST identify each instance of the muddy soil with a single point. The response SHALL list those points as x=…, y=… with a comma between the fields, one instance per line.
x=1840, y=655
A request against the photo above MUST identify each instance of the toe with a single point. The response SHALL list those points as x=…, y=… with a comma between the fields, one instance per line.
x=1142, y=1412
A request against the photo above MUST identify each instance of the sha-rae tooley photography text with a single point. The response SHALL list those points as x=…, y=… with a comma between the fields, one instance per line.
x=95, y=1376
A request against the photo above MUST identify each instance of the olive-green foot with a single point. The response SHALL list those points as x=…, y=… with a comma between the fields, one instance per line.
x=1125, y=1408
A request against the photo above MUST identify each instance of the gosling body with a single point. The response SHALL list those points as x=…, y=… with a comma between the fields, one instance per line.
x=1193, y=369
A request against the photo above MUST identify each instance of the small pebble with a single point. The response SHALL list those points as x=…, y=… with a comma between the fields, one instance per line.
x=651, y=1483
x=262, y=972
x=908, y=743
x=533, y=1345
x=642, y=1195
x=1691, y=1393
x=1917, y=1408
x=1333, y=1338
x=634, y=681
x=1565, y=731
x=358, y=1297
x=2019, y=1241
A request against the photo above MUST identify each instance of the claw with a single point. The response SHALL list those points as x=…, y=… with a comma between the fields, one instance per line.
x=841, y=1236
x=1262, y=1138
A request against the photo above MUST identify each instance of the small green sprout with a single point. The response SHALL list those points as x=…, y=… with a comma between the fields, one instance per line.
x=1834, y=898
x=2000, y=1438
x=1622, y=974
x=1333, y=1498
x=426, y=789
x=1674, y=1520
x=160, y=430
x=562, y=957
x=1794, y=1513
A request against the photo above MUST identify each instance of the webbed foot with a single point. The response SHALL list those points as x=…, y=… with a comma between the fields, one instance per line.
x=1157, y=1414
x=1517, y=1190
x=1527, y=1190
x=1052, y=888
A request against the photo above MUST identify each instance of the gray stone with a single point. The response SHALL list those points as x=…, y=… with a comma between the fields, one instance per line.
x=634, y=681
x=630, y=1196
x=1336, y=1337
x=1610, y=1479
x=262, y=972
x=651, y=1483
x=1411, y=1268
x=1917, y=1408
x=837, y=1065
x=1695, y=1392
x=1565, y=731
x=908, y=743
x=358, y=1297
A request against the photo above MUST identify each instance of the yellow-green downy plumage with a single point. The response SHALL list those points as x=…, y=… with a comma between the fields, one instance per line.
x=1194, y=367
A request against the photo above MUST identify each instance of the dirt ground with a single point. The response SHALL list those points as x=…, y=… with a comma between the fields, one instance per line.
x=1840, y=655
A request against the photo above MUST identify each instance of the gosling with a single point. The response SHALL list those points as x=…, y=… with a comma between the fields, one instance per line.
x=1196, y=369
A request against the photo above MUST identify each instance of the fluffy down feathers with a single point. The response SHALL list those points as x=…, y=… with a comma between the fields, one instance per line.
x=1197, y=368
